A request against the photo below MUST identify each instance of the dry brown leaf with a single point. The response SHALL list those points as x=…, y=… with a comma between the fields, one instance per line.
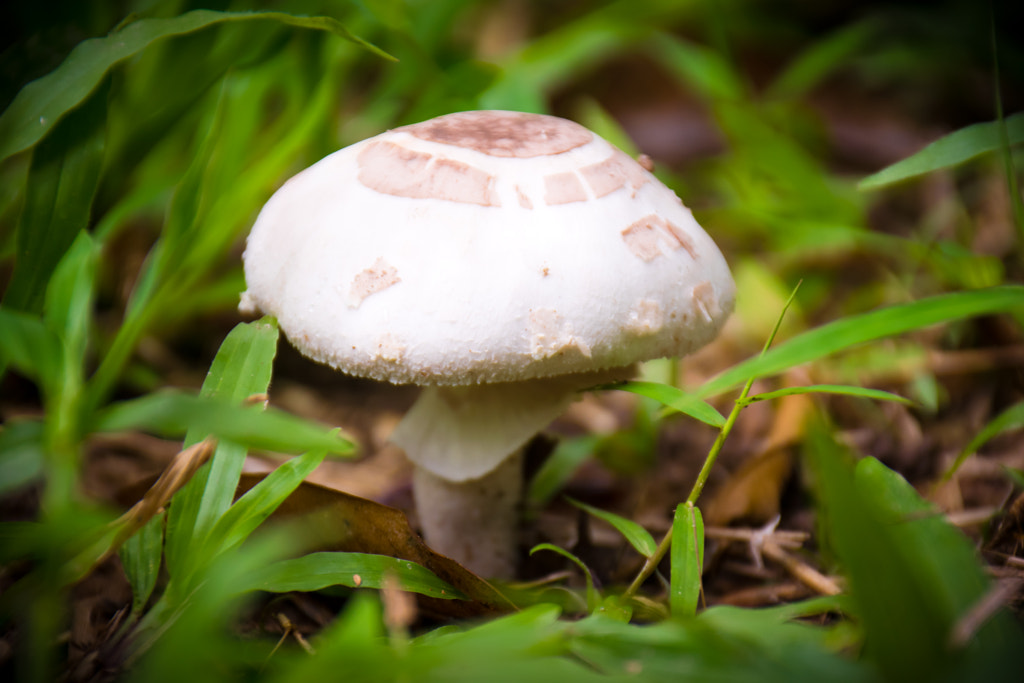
x=754, y=490
x=157, y=494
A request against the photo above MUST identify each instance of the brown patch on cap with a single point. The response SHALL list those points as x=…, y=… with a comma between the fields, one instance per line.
x=392, y=169
x=380, y=275
x=503, y=133
x=550, y=335
x=524, y=201
x=648, y=236
x=683, y=239
x=646, y=163
x=704, y=301
x=563, y=188
x=615, y=172
x=645, y=318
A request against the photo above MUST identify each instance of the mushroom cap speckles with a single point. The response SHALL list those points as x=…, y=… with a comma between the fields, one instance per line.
x=484, y=247
x=379, y=276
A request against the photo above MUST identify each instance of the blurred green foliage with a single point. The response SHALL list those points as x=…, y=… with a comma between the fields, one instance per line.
x=171, y=123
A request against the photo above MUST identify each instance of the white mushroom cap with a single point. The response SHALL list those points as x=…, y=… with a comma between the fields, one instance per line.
x=484, y=247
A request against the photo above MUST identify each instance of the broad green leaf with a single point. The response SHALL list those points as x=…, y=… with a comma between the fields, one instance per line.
x=637, y=536
x=722, y=644
x=62, y=181
x=21, y=454
x=945, y=563
x=778, y=626
x=558, y=468
x=951, y=150
x=943, y=558
x=259, y=502
x=140, y=557
x=905, y=629
x=1009, y=419
x=593, y=598
x=912, y=575
x=356, y=570
x=682, y=401
x=687, y=560
x=534, y=633
x=858, y=329
x=615, y=607
x=840, y=389
x=43, y=102
x=31, y=348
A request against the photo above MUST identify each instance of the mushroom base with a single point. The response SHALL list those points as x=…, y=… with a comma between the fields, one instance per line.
x=473, y=522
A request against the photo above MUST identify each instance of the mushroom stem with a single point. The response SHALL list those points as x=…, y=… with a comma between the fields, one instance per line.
x=473, y=522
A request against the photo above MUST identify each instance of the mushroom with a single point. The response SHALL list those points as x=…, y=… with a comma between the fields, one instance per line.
x=501, y=260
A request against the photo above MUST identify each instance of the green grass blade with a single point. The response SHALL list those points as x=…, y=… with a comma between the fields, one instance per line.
x=851, y=331
x=170, y=413
x=355, y=570
x=43, y=102
x=140, y=557
x=838, y=389
x=682, y=401
x=184, y=217
x=700, y=68
x=259, y=502
x=1010, y=419
x=951, y=150
x=687, y=560
x=242, y=367
x=598, y=119
x=637, y=536
x=593, y=599
x=199, y=623
x=69, y=300
x=62, y=181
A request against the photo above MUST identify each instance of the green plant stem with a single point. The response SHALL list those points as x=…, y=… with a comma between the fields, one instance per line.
x=702, y=477
x=698, y=486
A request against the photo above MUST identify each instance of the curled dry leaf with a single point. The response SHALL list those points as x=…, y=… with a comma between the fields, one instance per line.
x=178, y=473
